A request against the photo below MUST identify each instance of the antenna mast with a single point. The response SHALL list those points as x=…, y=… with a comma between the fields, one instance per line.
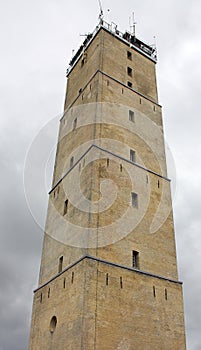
x=133, y=25
x=101, y=11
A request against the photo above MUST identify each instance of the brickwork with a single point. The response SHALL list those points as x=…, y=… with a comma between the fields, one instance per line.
x=101, y=302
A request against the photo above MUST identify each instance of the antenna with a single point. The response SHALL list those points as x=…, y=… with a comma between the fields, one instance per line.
x=132, y=27
x=101, y=11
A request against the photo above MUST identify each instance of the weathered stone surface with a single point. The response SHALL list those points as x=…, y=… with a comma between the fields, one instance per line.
x=103, y=303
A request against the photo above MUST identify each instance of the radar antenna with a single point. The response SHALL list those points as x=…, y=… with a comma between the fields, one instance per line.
x=101, y=11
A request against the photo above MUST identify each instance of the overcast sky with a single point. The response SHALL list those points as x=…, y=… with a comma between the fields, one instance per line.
x=37, y=38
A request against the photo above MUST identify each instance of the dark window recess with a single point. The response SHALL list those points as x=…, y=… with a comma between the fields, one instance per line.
x=80, y=91
x=108, y=83
x=131, y=116
x=65, y=206
x=134, y=198
x=64, y=282
x=147, y=179
x=53, y=324
x=130, y=85
x=129, y=55
x=108, y=162
x=135, y=259
x=158, y=184
x=132, y=156
x=82, y=62
x=48, y=294
x=72, y=277
x=74, y=123
x=71, y=162
x=129, y=71
x=166, y=295
x=140, y=101
x=60, y=267
x=154, y=291
x=107, y=279
x=121, y=282
x=121, y=168
x=41, y=297
x=122, y=91
x=154, y=108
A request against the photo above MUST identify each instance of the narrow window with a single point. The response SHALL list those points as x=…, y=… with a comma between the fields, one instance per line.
x=53, y=324
x=129, y=71
x=166, y=296
x=107, y=279
x=48, y=294
x=74, y=123
x=79, y=166
x=121, y=282
x=108, y=83
x=122, y=91
x=60, y=264
x=41, y=297
x=82, y=97
x=129, y=55
x=154, y=108
x=65, y=206
x=130, y=85
x=154, y=291
x=80, y=91
x=147, y=179
x=108, y=162
x=58, y=189
x=131, y=116
x=132, y=156
x=64, y=282
x=82, y=62
x=135, y=259
x=90, y=87
x=54, y=194
x=158, y=184
x=121, y=168
x=71, y=162
x=134, y=198
x=72, y=277
x=140, y=101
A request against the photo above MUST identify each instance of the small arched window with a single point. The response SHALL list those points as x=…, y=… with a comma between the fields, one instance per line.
x=53, y=324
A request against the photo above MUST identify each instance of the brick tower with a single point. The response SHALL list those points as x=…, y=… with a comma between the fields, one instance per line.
x=108, y=277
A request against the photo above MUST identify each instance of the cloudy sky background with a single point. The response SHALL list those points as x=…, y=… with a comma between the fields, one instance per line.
x=37, y=39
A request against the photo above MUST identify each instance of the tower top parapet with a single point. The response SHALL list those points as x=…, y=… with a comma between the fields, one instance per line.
x=128, y=37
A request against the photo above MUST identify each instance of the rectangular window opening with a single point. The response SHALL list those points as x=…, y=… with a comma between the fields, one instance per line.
x=154, y=291
x=134, y=198
x=132, y=155
x=72, y=278
x=107, y=279
x=64, y=282
x=135, y=259
x=131, y=116
x=130, y=85
x=121, y=282
x=65, y=206
x=60, y=264
x=129, y=71
x=129, y=55
x=166, y=295
x=71, y=162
